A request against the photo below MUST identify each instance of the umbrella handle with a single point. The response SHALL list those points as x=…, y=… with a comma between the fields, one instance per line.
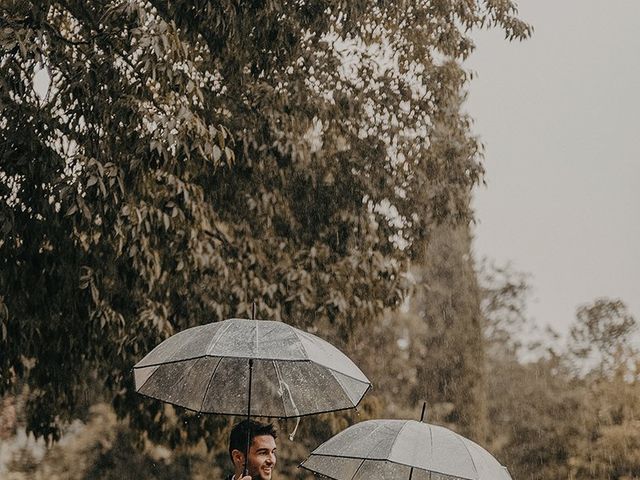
x=246, y=456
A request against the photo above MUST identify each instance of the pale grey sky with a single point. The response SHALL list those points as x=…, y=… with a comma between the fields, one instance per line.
x=560, y=117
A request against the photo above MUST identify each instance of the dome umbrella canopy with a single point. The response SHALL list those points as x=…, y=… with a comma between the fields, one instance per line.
x=250, y=367
x=402, y=449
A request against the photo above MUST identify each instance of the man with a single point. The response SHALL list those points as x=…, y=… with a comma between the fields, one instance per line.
x=262, y=450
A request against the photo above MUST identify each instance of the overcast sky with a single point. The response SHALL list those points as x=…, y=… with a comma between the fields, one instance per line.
x=559, y=115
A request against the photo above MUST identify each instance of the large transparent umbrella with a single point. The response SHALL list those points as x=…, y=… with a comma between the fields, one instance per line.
x=402, y=449
x=250, y=367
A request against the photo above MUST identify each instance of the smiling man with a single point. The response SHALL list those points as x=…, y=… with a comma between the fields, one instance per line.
x=262, y=450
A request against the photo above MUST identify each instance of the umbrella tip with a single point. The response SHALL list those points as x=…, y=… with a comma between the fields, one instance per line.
x=424, y=409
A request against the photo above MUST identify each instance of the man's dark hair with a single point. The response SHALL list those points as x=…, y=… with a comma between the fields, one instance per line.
x=238, y=437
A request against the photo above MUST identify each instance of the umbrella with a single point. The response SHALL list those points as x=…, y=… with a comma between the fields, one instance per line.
x=250, y=367
x=403, y=449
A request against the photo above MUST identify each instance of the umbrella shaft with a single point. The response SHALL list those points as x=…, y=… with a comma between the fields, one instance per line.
x=246, y=456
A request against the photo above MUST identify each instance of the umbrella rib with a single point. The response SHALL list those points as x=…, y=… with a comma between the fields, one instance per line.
x=470, y=456
x=302, y=337
x=317, y=473
x=217, y=337
x=257, y=325
x=245, y=413
x=431, y=440
x=204, y=397
x=401, y=429
x=236, y=356
x=337, y=371
x=379, y=442
x=304, y=349
x=149, y=377
x=358, y=469
x=397, y=435
x=344, y=389
x=378, y=427
x=176, y=381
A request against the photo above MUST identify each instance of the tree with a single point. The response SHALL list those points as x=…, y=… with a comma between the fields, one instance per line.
x=570, y=412
x=603, y=356
x=608, y=448
x=450, y=363
x=188, y=158
x=602, y=335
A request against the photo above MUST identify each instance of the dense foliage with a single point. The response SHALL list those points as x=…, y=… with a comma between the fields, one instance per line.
x=164, y=164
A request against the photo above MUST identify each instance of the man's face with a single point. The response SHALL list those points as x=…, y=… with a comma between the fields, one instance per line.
x=262, y=457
